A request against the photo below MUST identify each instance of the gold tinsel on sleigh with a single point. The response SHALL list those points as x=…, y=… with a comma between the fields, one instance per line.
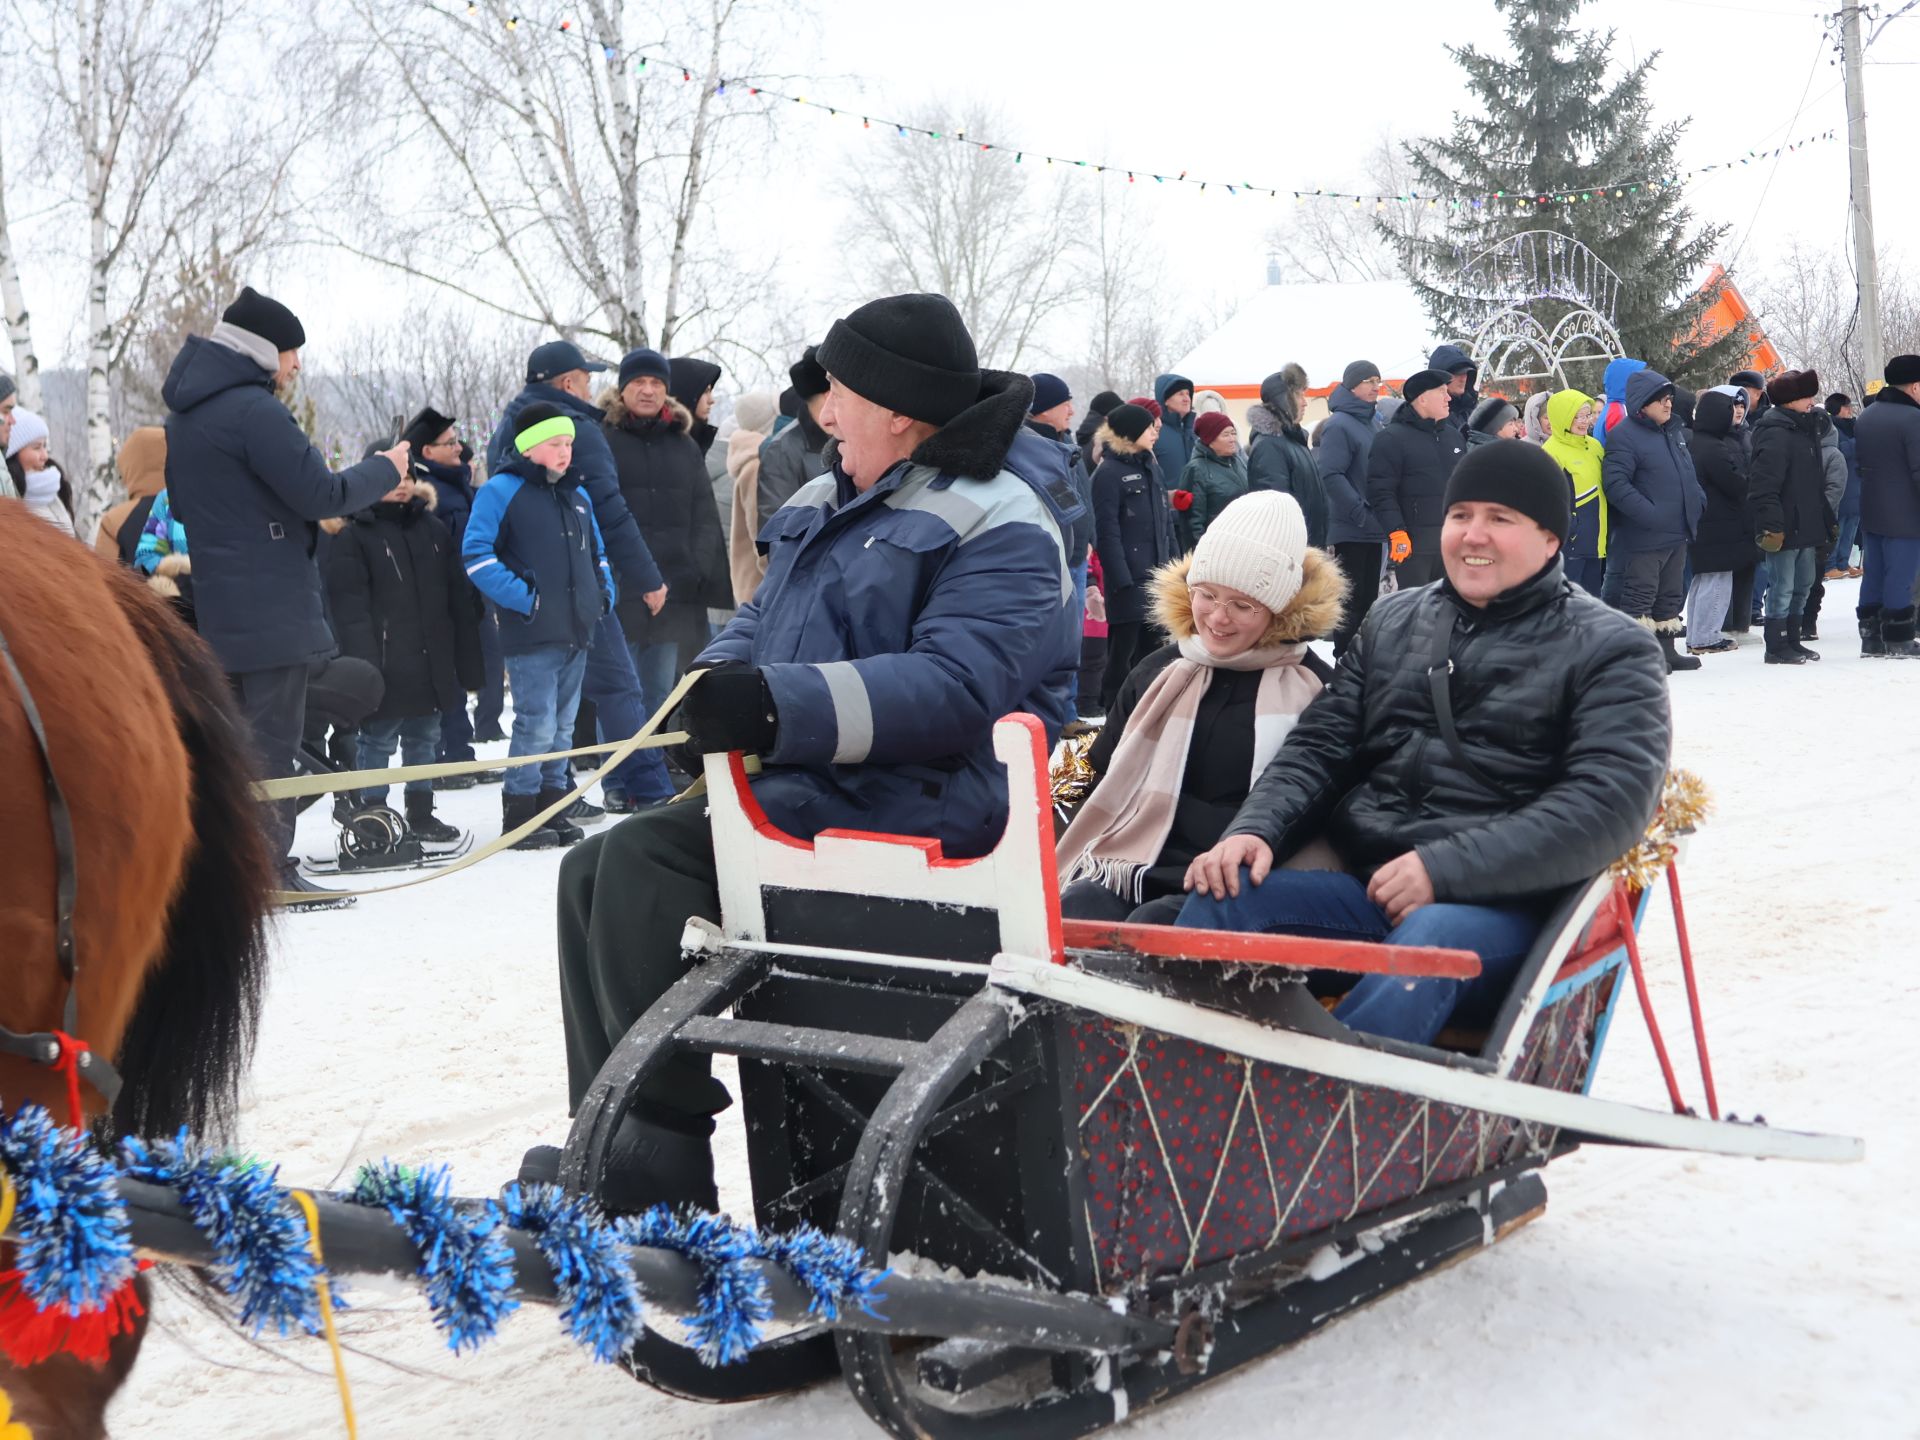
x=1685, y=804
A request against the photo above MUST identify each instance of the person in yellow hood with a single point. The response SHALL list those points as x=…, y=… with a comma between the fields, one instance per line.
x=1570, y=416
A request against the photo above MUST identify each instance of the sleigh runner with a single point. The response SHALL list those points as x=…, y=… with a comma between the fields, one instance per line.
x=1145, y=1121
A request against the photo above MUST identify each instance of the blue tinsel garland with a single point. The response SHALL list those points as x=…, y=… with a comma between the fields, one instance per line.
x=74, y=1246
x=599, y=1300
x=733, y=1302
x=833, y=1269
x=464, y=1261
x=260, y=1242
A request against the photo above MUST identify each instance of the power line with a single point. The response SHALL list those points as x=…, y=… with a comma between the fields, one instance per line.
x=1774, y=169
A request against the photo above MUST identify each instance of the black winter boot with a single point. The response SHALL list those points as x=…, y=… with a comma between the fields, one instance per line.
x=1796, y=627
x=651, y=1164
x=515, y=811
x=427, y=826
x=1668, y=638
x=561, y=825
x=1780, y=649
x=1896, y=628
x=1872, y=646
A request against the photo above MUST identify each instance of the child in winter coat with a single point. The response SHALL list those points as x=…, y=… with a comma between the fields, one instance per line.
x=36, y=479
x=161, y=555
x=1570, y=419
x=533, y=548
x=399, y=601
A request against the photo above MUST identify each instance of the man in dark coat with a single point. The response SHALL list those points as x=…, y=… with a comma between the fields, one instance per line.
x=1790, y=510
x=691, y=385
x=1098, y=409
x=663, y=479
x=402, y=602
x=1133, y=529
x=1278, y=456
x=1352, y=530
x=1173, y=447
x=559, y=374
x=1052, y=415
x=1840, y=566
x=244, y=479
x=1462, y=813
x=1407, y=472
x=1887, y=440
x=1463, y=395
x=794, y=454
x=1654, y=503
x=914, y=594
x=1723, y=546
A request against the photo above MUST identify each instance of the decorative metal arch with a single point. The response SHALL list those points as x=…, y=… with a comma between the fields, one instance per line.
x=1498, y=288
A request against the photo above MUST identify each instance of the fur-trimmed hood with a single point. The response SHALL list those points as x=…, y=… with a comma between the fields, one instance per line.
x=1104, y=439
x=1263, y=420
x=672, y=413
x=1311, y=615
x=974, y=444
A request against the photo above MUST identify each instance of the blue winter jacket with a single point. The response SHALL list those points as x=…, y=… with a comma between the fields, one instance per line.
x=1175, y=446
x=895, y=627
x=533, y=548
x=245, y=480
x=1849, y=448
x=1460, y=407
x=1654, y=500
x=597, y=477
x=1614, y=392
x=1344, y=447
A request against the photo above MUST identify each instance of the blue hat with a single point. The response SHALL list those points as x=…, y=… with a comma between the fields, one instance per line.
x=1048, y=391
x=557, y=357
x=636, y=363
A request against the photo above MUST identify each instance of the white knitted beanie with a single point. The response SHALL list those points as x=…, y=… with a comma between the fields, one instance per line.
x=1256, y=546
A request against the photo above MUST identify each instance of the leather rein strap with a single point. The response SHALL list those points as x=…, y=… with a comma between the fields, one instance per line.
x=45, y=1048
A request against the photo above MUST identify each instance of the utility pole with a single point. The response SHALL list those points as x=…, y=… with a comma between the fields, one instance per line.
x=1865, y=258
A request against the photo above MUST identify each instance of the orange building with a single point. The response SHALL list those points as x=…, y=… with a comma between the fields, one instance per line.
x=1731, y=313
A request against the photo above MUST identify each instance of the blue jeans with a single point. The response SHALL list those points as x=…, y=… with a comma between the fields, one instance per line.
x=620, y=708
x=419, y=739
x=1332, y=906
x=546, y=694
x=491, y=703
x=1887, y=576
x=1586, y=571
x=1079, y=618
x=1842, y=555
x=1613, y=579
x=658, y=667
x=1789, y=578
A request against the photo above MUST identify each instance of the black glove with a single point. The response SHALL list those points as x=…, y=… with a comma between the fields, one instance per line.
x=731, y=708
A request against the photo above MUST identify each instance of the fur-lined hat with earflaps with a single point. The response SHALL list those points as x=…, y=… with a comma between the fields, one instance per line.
x=1312, y=614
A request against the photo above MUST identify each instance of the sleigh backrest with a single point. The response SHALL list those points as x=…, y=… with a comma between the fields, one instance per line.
x=900, y=894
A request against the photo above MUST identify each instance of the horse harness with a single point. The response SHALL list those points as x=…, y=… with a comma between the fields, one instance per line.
x=58, y=1049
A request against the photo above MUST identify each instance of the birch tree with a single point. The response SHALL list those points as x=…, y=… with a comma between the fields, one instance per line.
x=26, y=364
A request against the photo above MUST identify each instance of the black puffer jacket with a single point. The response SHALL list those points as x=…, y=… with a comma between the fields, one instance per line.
x=399, y=599
x=1407, y=472
x=1133, y=525
x=663, y=479
x=1790, y=478
x=1558, y=699
x=1725, y=538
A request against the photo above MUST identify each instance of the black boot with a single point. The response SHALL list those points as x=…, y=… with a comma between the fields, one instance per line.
x=1896, y=628
x=1780, y=650
x=1872, y=646
x=429, y=827
x=652, y=1163
x=1796, y=628
x=1667, y=638
x=517, y=810
x=569, y=833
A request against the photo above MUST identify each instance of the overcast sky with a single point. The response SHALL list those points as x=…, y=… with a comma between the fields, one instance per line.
x=1267, y=94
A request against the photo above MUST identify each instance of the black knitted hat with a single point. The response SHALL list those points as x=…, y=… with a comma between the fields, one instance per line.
x=1129, y=422
x=1519, y=476
x=909, y=353
x=808, y=377
x=261, y=315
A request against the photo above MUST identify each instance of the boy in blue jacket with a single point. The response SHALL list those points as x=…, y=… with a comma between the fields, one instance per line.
x=533, y=548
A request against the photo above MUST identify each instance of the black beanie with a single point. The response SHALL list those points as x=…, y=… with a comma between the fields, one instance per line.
x=1903, y=370
x=1421, y=381
x=1490, y=414
x=689, y=379
x=1129, y=422
x=908, y=353
x=808, y=378
x=1104, y=403
x=269, y=319
x=1519, y=476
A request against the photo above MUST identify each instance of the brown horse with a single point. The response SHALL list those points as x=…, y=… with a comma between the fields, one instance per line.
x=173, y=876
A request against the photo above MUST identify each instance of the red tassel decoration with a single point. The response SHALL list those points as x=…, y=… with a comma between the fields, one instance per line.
x=29, y=1335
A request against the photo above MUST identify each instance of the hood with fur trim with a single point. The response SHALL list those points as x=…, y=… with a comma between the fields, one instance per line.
x=1113, y=444
x=1311, y=615
x=673, y=413
x=1262, y=419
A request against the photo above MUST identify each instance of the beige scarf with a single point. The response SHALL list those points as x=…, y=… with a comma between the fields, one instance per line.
x=1120, y=831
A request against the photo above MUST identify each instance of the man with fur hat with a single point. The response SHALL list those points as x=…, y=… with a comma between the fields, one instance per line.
x=663, y=479
x=1654, y=504
x=1407, y=471
x=246, y=480
x=915, y=593
x=1278, y=456
x=1487, y=743
x=1887, y=445
x=795, y=453
x=1790, y=510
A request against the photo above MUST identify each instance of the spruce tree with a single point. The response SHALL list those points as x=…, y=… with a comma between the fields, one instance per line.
x=1554, y=126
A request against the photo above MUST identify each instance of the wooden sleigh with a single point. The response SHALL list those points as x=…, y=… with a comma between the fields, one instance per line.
x=1159, y=1133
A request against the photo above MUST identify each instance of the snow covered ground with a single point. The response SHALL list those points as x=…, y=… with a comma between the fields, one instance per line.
x=1659, y=1294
